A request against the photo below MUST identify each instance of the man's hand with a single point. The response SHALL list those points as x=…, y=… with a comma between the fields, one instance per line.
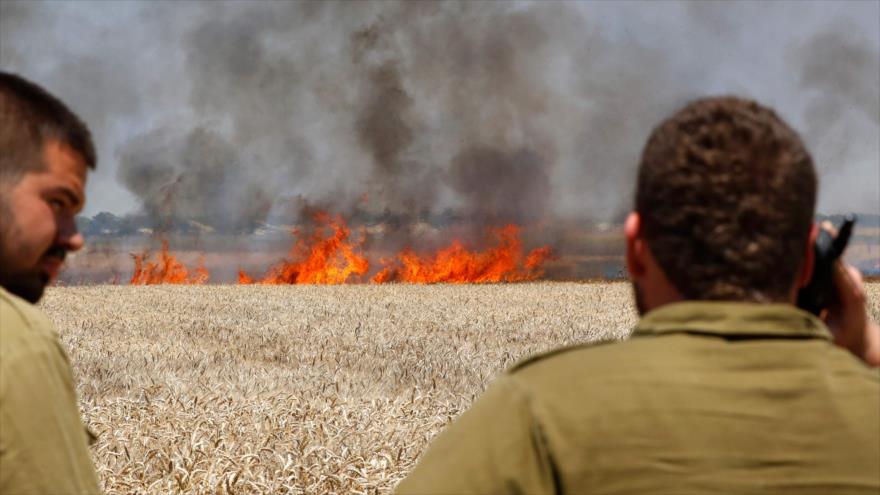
x=848, y=318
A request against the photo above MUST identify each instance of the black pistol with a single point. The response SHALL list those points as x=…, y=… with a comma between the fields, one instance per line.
x=820, y=292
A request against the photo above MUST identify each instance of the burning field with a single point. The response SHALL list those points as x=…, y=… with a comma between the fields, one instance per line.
x=340, y=220
x=302, y=389
x=328, y=250
x=328, y=256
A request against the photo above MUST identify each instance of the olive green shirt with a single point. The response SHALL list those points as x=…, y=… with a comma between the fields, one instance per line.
x=43, y=442
x=705, y=397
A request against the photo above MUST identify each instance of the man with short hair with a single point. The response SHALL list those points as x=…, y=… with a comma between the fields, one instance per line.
x=725, y=386
x=45, y=151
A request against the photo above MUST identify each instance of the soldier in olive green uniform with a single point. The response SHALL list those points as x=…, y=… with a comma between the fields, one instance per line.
x=705, y=397
x=725, y=386
x=45, y=151
x=43, y=443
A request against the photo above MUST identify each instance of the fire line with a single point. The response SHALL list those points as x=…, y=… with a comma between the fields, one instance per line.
x=329, y=255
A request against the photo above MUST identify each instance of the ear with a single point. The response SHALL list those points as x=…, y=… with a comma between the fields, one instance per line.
x=806, y=272
x=635, y=246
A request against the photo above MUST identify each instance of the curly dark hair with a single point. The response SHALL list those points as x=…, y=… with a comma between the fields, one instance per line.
x=726, y=192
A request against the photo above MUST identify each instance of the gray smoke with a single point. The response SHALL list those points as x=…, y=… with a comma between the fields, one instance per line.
x=520, y=184
x=230, y=114
x=841, y=74
x=195, y=176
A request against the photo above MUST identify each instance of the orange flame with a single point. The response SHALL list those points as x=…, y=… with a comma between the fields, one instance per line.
x=167, y=270
x=455, y=264
x=324, y=258
x=328, y=256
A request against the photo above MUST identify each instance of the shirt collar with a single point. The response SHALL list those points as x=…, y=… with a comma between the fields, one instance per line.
x=732, y=318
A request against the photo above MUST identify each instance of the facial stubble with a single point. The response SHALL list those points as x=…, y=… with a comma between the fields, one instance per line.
x=26, y=285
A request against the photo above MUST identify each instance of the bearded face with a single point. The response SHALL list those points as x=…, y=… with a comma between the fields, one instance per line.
x=37, y=222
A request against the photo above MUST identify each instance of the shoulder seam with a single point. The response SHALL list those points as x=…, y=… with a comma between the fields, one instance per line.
x=555, y=352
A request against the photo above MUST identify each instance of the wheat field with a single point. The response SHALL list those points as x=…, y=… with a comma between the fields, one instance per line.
x=302, y=389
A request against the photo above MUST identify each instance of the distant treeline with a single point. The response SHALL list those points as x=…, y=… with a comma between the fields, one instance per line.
x=108, y=224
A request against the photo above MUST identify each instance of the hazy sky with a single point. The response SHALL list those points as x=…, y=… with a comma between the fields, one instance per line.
x=340, y=100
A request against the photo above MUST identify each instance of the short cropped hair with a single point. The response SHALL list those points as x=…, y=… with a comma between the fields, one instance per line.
x=29, y=117
x=726, y=193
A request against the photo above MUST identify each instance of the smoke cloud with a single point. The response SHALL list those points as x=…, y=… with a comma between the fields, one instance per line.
x=231, y=114
x=195, y=176
x=841, y=74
